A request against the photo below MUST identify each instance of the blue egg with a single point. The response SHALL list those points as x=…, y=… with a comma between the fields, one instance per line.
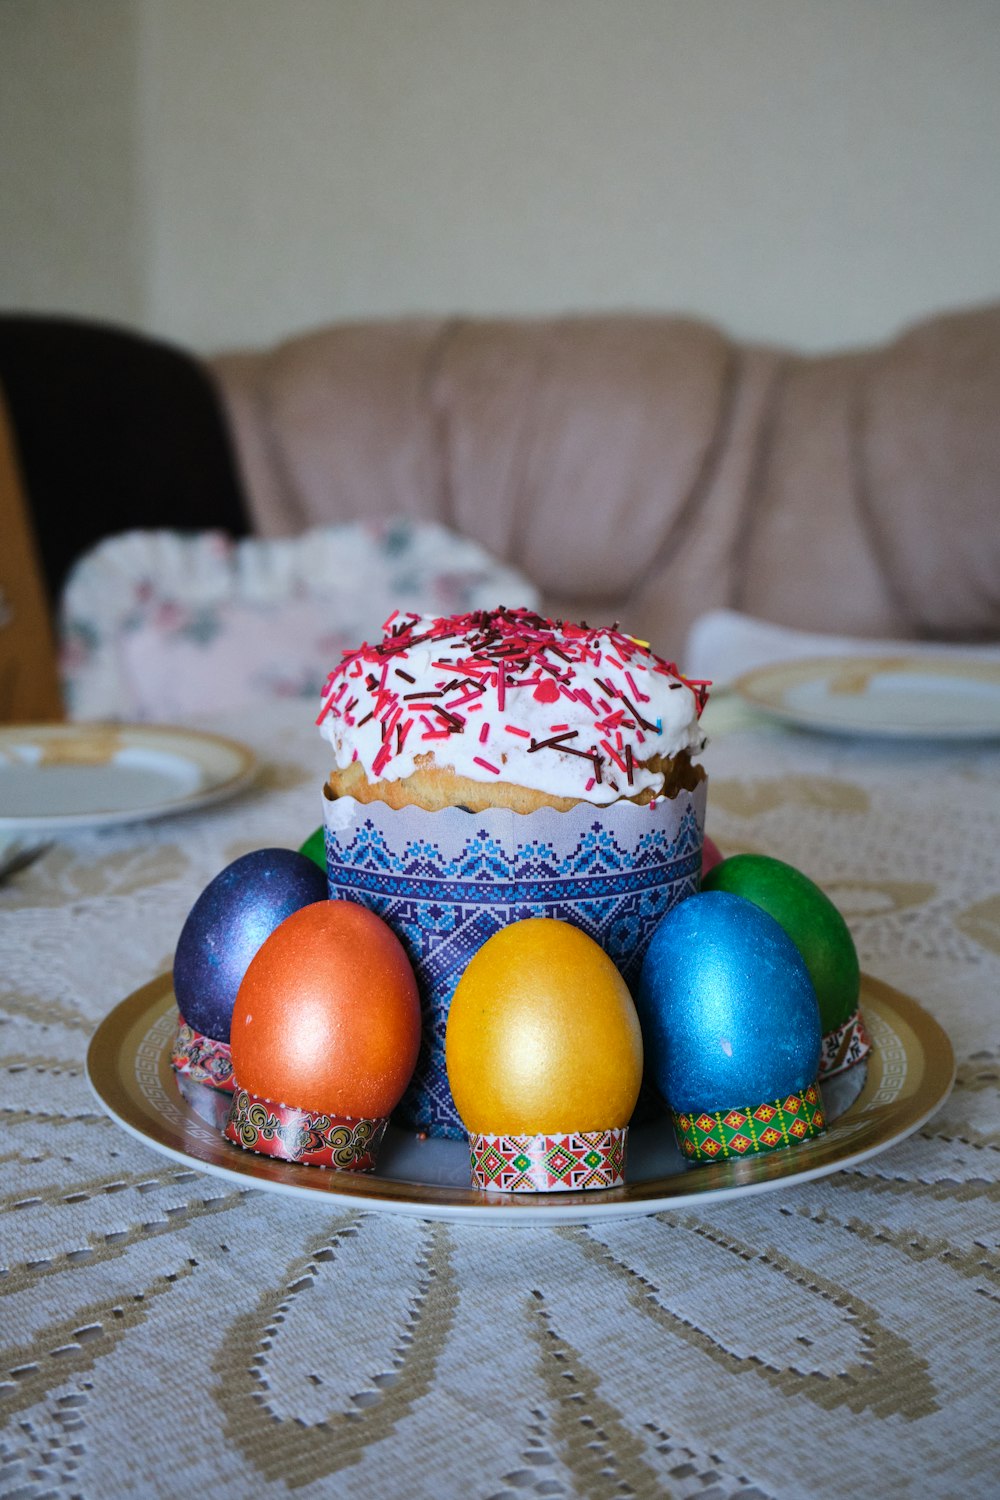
x=229, y=922
x=728, y=1011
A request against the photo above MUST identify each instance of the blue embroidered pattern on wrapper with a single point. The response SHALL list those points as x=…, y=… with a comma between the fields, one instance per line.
x=444, y=907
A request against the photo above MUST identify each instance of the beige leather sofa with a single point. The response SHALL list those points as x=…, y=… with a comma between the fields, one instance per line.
x=649, y=468
x=640, y=468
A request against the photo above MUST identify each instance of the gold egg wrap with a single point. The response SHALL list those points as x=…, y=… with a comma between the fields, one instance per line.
x=567, y=1162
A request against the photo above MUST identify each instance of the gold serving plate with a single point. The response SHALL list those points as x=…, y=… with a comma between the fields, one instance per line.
x=878, y=1103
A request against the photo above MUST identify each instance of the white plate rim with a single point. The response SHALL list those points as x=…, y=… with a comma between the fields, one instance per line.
x=756, y=687
x=236, y=770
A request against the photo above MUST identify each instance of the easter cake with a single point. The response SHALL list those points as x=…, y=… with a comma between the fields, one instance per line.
x=508, y=709
x=495, y=766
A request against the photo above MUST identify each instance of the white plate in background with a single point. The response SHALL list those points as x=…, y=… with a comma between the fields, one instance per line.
x=57, y=777
x=909, y=697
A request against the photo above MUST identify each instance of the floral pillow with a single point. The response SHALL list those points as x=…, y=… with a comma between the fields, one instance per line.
x=158, y=625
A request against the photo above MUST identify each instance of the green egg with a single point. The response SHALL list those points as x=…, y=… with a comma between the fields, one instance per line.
x=314, y=847
x=810, y=919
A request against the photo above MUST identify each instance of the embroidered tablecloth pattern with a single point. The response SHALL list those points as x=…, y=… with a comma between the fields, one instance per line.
x=164, y=1332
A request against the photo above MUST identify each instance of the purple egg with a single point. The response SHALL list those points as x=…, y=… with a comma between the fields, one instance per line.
x=229, y=922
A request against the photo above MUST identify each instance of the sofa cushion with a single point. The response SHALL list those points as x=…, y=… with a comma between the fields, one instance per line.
x=648, y=467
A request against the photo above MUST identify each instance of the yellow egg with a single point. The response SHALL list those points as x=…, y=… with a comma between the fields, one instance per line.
x=542, y=1035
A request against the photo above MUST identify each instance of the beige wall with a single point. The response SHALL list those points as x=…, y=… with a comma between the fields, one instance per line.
x=71, y=221
x=229, y=171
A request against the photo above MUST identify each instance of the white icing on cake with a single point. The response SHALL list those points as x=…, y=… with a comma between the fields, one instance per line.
x=508, y=695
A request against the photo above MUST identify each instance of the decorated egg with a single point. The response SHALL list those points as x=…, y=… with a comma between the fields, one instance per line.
x=821, y=935
x=314, y=847
x=711, y=855
x=544, y=1057
x=326, y=1031
x=731, y=1029
x=227, y=924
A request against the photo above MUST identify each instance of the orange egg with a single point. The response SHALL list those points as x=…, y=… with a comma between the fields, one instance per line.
x=327, y=1018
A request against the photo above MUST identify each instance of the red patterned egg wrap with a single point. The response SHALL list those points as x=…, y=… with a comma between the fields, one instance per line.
x=301, y=1135
x=202, y=1058
x=844, y=1046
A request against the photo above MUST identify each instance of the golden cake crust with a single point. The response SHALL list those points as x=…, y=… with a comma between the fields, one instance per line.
x=434, y=788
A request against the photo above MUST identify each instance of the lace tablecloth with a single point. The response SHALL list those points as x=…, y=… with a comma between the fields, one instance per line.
x=167, y=1333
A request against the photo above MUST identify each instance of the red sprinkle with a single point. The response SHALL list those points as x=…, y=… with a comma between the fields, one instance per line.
x=614, y=755
x=475, y=652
